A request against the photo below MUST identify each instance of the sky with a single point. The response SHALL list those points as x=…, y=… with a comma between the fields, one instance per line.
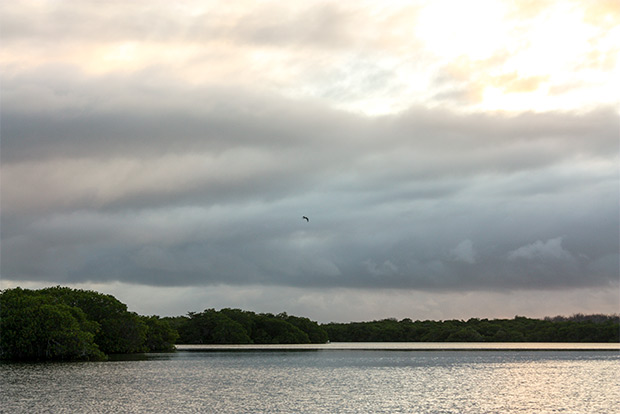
x=455, y=159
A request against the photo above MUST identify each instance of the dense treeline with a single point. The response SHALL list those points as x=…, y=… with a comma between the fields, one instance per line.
x=235, y=326
x=61, y=323
x=579, y=328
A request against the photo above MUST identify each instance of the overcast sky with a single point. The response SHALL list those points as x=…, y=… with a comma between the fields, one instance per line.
x=455, y=159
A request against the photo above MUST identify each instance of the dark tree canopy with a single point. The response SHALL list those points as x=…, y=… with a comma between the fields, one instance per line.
x=61, y=323
x=64, y=323
x=581, y=328
x=235, y=326
x=37, y=326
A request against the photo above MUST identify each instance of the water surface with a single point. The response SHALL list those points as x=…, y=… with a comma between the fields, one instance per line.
x=335, y=379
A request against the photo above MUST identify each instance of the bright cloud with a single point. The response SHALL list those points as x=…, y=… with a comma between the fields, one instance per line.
x=443, y=151
x=551, y=249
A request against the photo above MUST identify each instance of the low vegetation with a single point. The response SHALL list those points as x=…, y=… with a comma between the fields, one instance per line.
x=61, y=323
x=235, y=326
x=579, y=328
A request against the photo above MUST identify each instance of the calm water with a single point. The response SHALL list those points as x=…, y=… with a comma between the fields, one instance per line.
x=329, y=379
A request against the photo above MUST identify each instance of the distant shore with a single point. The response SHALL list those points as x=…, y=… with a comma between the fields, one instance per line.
x=410, y=346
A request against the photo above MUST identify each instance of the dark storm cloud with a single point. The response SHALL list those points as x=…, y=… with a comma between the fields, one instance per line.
x=180, y=146
x=147, y=113
x=112, y=116
x=129, y=178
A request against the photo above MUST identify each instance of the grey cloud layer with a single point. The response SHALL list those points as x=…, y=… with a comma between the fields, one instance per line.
x=190, y=159
x=140, y=179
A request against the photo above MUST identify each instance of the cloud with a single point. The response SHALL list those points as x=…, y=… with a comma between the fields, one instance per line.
x=551, y=249
x=464, y=252
x=211, y=196
x=178, y=146
x=373, y=58
x=387, y=268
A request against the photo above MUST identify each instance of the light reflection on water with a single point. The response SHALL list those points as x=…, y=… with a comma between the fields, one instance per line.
x=321, y=381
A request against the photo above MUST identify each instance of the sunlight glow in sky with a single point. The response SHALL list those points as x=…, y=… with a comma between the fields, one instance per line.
x=445, y=151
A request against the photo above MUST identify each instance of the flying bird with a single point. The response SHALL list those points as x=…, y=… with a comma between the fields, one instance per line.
x=306, y=218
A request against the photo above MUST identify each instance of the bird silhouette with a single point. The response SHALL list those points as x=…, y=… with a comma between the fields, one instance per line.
x=306, y=218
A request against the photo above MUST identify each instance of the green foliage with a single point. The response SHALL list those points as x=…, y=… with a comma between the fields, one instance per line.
x=581, y=328
x=234, y=326
x=244, y=318
x=63, y=323
x=120, y=330
x=60, y=323
x=160, y=336
x=212, y=327
x=35, y=327
x=315, y=333
x=467, y=334
x=271, y=330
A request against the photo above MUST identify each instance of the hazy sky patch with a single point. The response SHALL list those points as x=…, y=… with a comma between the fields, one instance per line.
x=443, y=151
